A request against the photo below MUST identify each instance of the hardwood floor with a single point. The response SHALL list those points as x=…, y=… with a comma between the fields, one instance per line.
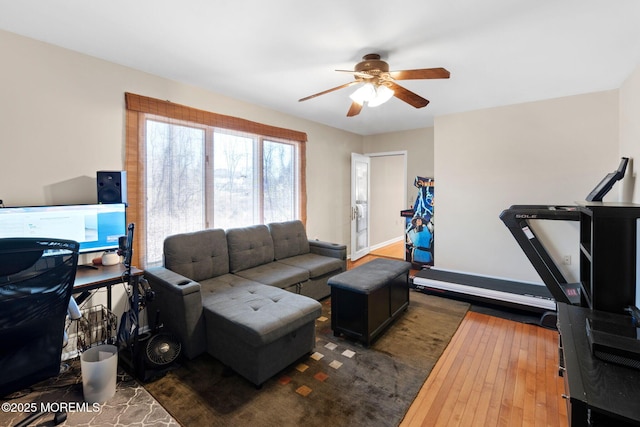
x=494, y=372
x=394, y=250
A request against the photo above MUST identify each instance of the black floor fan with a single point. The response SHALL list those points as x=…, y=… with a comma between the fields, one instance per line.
x=160, y=351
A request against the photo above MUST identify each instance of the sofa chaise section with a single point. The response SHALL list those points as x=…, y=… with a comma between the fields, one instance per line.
x=260, y=330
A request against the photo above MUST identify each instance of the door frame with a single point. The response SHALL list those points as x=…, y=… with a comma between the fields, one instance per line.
x=357, y=253
x=404, y=154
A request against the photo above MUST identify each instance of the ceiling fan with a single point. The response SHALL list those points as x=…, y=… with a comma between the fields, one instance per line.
x=379, y=84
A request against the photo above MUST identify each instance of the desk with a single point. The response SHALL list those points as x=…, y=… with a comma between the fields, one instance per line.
x=90, y=278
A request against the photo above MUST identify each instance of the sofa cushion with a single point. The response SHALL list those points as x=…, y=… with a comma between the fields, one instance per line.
x=249, y=247
x=199, y=255
x=289, y=239
x=260, y=315
x=317, y=265
x=275, y=274
x=211, y=287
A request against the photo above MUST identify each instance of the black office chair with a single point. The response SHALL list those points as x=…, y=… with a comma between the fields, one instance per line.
x=36, y=282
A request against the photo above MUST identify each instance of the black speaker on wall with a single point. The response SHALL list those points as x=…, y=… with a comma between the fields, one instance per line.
x=112, y=186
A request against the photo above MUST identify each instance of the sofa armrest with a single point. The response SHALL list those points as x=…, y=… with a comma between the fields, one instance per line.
x=179, y=301
x=171, y=281
x=333, y=250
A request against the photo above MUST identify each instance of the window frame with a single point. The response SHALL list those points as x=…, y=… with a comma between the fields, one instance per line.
x=139, y=108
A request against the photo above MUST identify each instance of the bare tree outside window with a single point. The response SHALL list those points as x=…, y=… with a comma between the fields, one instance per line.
x=279, y=180
x=175, y=180
x=234, y=182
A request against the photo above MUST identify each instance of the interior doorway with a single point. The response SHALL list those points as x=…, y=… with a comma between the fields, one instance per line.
x=388, y=198
x=378, y=194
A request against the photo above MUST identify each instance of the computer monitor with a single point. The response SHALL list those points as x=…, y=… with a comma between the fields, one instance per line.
x=95, y=227
x=607, y=182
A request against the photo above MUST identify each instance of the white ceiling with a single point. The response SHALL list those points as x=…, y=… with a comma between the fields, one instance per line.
x=272, y=53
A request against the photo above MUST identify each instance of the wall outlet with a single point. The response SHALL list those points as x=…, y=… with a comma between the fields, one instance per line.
x=566, y=260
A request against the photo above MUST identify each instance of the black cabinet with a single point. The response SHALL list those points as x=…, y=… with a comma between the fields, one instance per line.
x=598, y=393
x=608, y=255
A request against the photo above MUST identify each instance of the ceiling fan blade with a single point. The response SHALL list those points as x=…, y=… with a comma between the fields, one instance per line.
x=354, y=110
x=407, y=96
x=328, y=90
x=424, y=73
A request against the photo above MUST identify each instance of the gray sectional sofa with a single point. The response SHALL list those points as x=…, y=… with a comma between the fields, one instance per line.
x=247, y=296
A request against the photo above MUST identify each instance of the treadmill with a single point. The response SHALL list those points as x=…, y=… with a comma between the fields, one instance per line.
x=512, y=294
x=531, y=297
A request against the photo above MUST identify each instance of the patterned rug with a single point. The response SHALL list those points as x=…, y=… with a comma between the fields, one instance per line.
x=342, y=383
x=131, y=405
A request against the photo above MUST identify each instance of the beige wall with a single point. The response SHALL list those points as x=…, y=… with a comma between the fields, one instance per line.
x=387, y=199
x=417, y=143
x=630, y=134
x=547, y=152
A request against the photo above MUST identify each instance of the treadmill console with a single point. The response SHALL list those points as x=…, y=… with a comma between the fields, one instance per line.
x=607, y=182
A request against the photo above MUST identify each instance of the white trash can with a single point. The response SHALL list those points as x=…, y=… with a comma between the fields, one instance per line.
x=99, y=367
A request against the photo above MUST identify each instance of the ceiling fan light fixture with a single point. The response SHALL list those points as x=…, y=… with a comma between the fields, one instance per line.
x=363, y=94
x=372, y=94
x=383, y=94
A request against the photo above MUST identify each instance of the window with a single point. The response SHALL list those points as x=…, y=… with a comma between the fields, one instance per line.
x=174, y=183
x=235, y=192
x=199, y=178
x=247, y=190
x=279, y=179
x=190, y=175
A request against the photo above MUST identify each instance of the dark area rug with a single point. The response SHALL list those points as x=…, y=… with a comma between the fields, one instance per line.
x=342, y=384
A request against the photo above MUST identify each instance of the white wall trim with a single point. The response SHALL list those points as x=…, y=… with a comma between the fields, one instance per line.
x=387, y=243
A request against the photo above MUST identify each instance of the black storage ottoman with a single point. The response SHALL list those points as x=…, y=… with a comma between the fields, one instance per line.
x=365, y=300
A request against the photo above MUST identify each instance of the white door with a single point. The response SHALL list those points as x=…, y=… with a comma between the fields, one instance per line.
x=360, y=169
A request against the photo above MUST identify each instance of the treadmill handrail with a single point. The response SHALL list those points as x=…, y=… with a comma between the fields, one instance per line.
x=557, y=213
x=517, y=218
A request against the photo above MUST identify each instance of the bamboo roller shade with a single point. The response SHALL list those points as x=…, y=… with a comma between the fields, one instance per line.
x=171, y=110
